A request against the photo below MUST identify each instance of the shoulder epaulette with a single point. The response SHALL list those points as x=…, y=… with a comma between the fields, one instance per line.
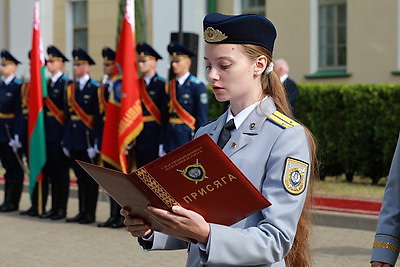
x=17, y=81
x=160, y=78
x=95, y=83
x=194, y=79
x=282, y=120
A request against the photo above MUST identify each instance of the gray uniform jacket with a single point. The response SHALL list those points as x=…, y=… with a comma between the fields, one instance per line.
x=266, y=151
x=387, y=238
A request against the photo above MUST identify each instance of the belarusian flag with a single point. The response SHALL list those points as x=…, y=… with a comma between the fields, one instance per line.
x=36, y=133
x=124, y=120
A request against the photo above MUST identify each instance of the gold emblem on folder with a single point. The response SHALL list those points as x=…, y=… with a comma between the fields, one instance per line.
x=213, y=36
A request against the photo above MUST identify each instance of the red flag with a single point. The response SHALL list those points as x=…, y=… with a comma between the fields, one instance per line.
x=36, y=134
x=124, y=119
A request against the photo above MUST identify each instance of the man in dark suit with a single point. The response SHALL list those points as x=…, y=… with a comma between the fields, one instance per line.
x=56, y=170
x=82, y=124
x=10, y=95
x=281, y=67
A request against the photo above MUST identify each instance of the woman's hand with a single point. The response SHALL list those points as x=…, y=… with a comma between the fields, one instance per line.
x=136, y=226
x=181, y=223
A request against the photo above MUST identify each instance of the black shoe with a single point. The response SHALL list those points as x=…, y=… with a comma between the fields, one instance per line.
x=48, y=214
x=108, y=223
x=77, y=218
x=30, y=212
x=59, y=214
x=86, y=219
x=119, y=223
x=8, y=207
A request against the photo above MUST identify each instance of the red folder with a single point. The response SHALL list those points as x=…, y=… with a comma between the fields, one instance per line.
x=197, y=176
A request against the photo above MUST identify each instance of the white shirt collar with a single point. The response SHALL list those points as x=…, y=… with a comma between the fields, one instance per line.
x=242, y=115
x=55, y=77
x=82, y=81
x=284, y=77
x=183, y=78
x=147, y=79
x=9, y=79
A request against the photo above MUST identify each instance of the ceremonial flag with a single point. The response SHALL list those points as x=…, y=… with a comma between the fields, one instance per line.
x=124, y=119
x=36, y=133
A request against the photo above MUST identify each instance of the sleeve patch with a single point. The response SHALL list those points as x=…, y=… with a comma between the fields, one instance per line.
x=295, y=176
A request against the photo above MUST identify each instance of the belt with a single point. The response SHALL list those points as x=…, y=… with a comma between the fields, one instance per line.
x=149, y=118
x=174, y=121
x=75, y=118
x=7, y=115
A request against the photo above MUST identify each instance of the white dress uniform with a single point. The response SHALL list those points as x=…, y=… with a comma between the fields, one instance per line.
x=272, y=150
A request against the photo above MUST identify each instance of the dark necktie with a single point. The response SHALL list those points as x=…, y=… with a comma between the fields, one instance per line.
x=226, y=133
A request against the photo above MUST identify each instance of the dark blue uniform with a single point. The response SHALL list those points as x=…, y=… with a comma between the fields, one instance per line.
x=148, y=141
x=78, y=137
x=10, y=95
x=56, y=170
x=115, y=220
x=14, y=174
x=21, y=130
x=193, y=97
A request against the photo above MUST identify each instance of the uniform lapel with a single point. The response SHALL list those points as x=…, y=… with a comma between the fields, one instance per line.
x=217, y=127
x=250, y=128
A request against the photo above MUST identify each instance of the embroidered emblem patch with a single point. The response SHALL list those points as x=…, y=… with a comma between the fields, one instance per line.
x=213, y=35
x=295, y=176
x=204, y=98
x=194, y=172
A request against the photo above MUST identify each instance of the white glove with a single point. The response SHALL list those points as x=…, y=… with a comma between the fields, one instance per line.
x=161, y=151
x=91, y=152
x=96, y=148
x=15, y=143
x=66, y=152
x=128, y=148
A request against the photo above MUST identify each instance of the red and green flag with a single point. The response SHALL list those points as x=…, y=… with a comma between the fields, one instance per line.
x=124, y=120
x=36, y=130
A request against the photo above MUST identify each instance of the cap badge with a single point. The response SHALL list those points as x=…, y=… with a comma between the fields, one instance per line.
x=213, y=36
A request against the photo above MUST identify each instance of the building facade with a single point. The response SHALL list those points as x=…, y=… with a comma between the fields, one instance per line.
x=324, y=41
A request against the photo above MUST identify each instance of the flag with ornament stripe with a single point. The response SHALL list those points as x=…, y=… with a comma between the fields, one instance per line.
x=124, y=120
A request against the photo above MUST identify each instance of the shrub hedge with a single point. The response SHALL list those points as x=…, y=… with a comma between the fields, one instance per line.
x=356, y=126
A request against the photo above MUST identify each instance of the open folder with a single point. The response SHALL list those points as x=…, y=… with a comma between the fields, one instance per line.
x=197, y=176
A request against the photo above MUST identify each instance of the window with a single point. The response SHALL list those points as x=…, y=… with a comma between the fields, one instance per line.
x=332, y=35
x=253, y=7
x=80, y=28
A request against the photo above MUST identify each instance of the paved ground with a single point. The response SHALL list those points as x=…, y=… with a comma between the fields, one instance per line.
x=27, y=241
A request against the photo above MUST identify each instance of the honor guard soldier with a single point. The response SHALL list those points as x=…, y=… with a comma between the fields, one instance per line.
x=56, y=170
x=115, y=220
x=10, y=94
x=82, y=120
x=188, y=100
x=154, y=105
x=21, y=142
